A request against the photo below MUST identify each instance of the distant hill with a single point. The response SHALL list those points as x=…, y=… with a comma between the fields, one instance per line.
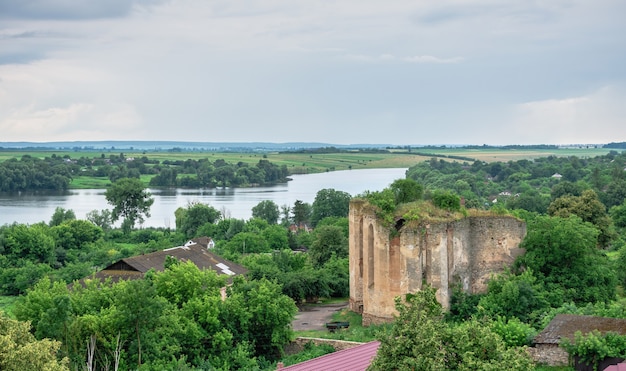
x=620, y=145
x=169, y=145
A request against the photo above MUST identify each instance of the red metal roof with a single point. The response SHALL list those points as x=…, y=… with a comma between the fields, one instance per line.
x=618, y=367
x=353, y=359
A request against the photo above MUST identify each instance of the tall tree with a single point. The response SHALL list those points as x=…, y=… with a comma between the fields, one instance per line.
x=130, y=200
x=301, y=212
x=60, y=215
x=328, y=203
x=562, y=254
x=588, y=207
x=420, y=340
x=329, y=241
x=266, y=210
x=194, y=216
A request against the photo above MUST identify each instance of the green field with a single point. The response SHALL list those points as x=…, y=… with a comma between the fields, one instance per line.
x=307, y=163
x=323, y=161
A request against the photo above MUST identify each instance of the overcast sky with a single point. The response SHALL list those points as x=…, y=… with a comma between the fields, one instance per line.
x=344, y=71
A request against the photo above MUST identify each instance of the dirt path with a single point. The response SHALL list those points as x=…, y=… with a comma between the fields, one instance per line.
x=314, y=316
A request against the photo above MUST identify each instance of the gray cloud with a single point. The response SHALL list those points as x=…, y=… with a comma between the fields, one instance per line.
x=68, y=9
x=401, y=72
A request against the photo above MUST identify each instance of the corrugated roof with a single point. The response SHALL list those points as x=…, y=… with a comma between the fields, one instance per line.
x=618, y=367
x=565, y=326
x=134, y=267
x=196, y=253
x=354, y=359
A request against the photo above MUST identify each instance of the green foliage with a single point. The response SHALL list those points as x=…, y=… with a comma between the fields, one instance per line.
x=310, y=351
x=299, y=280
x=514, y=296
x=385, y=203
x=101, y=219
x=618, y=215
x=266, y=210
x=420, y=340
x=514, y=332
x=593, y=347
x=130, y=201
x=194, y=216
x=328, y=241
x=330, y=203
x=301, y=212
x=589, y=208
x=406, y=190
x=620, y=265
x=446, y=200
x=60, y=215
x=562, y=254
x=180, y=283
x=175, y=317
x=256, y=312
x=19, y=350
x=463, y=305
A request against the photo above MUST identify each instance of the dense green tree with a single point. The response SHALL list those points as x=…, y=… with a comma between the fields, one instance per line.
x=514, y=296
x=562, y=254
x=589, y=208
x=194, y=216
x=618, y=215
x=301, y=212
x=32, y=243
x=328, y=241
x=101, y=218
x=19, y=350
x=266, y=210
x=130, y=200
x=276, y=237
x=408, y=190
x=60, y=215
x=446, y=200
x=330, y=203
x=420, y=340
x=181, y=282
x=258, y=313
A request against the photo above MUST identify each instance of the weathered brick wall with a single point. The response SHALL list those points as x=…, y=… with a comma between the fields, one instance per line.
x=463, y=252
x=549, y=354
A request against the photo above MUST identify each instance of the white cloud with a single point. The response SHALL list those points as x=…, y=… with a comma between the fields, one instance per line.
x=597, y=117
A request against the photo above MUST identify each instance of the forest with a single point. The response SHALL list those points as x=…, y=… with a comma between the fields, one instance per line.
x=575, y=209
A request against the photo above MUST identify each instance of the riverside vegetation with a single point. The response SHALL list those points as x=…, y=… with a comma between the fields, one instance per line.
x=579, y=217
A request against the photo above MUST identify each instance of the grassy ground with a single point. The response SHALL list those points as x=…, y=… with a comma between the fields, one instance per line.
x=356, y=331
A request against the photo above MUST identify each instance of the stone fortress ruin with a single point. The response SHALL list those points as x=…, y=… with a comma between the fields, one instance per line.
x=391, y=261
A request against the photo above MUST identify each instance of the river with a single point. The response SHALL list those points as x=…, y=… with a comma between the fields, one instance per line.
x=30, y=208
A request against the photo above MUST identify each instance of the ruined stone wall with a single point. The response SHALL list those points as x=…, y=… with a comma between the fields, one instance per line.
x=463, y=252
x=549, y=354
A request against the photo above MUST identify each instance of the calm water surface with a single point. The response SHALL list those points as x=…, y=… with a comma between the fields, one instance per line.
x=32, y=208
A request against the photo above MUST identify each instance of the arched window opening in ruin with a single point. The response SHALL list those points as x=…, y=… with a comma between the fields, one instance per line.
x=399, y=224
x=370, y=256
x=360, y=248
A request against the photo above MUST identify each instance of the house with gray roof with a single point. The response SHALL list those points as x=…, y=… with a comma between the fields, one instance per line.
x=196, y=251
x=546, y=348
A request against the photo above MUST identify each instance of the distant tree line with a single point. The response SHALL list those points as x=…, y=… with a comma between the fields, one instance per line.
x=56, y=172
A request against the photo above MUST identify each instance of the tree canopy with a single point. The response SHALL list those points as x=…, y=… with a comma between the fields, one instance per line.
x=130, y=200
